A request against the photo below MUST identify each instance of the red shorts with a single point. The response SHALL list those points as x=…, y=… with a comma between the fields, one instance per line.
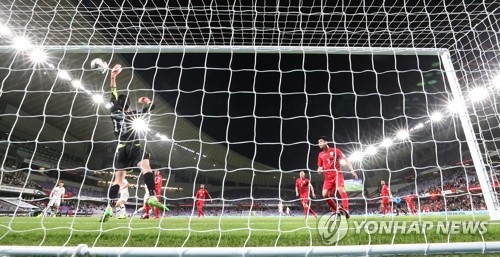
x=200, y=203
x=411, y=206
x=331, y=184
x=385, y=200
x=158, y=191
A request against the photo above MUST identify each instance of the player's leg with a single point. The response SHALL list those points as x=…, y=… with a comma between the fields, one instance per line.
x=157, y=210
x=56, y=207
x=141, y=158
x=306, y=208
x=382, y=207
x=342, y=192
x=309, y=208
x=327, y=186
x=201, y=208
x=45, y=210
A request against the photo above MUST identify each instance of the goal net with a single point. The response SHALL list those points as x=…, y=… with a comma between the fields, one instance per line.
x=400, y=99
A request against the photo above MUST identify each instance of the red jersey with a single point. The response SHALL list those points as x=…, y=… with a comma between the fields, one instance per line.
x=385, y=190
x=409, y=199
x=330, y=161
x=158, y=182
x=303, y=186
x=201, y=194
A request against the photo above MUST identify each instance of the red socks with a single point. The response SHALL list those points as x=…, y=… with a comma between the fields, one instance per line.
x=345, y=201
x=332, y=204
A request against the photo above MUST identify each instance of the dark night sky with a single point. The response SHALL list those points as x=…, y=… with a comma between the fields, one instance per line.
x=317, y=86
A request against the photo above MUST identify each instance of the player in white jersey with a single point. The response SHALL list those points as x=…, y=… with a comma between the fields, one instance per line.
x=280, y=208
x=120, y=204
x=56, y=198
x=288, y=211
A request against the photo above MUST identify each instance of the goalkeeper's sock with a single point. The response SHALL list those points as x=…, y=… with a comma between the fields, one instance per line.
x=113, y=191
x=345, y=201
x=157, y=212
x=383, y=210
x=150, y=183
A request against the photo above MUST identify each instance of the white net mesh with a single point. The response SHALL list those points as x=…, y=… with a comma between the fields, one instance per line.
x=242, y=93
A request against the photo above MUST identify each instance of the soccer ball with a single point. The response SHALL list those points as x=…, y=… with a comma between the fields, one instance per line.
x=99, y=65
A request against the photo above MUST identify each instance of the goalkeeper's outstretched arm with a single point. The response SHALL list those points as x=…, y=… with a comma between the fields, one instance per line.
x=114, y=73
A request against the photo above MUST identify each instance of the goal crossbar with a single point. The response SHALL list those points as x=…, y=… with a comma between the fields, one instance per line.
x=96, y=49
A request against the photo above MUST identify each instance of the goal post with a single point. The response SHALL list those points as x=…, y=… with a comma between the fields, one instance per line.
x=487, y=184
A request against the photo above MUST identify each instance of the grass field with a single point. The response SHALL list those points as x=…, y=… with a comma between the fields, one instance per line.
x=178, y=232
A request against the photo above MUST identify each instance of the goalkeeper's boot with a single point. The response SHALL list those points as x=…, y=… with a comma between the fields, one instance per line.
x=107, y=214
x=122, y=217
x=153, y=202
x=344, y=213
x=144, y=217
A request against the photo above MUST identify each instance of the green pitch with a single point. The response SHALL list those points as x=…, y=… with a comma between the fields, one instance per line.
x=207, y=232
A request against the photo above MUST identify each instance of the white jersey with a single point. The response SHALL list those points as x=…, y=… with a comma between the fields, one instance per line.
x=280, y=208
x=124, y=194
x=58, y=192
x=287, y=210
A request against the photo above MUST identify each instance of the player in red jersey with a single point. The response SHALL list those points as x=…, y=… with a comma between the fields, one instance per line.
x=302, y=187
x=158, y=183
x=409, y=203
x=329, y=164
x=200, y=198
x=386, y=194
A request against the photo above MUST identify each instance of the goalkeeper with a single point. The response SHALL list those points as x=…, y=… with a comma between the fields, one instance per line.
x=129, y=153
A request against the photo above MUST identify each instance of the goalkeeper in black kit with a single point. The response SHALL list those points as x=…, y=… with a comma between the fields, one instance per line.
x=129, y=153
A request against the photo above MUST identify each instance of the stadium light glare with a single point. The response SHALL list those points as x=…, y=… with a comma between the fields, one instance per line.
x=109, y=105
x=386, y=143
x=76, y=83
x=158, y=135
x=98, y=99
x=478, y=94
x=5, y=31
x=371, y=150
x=436, y=116
x=419, y=126
x=356, y=156
x=140, y=125
x=342, y=162
x=38, y=56
x=403, y=134
x=64, y=75
x=164, y=138
x=21, y=43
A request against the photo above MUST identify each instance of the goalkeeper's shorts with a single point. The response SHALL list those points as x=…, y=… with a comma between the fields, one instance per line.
x=129, y=155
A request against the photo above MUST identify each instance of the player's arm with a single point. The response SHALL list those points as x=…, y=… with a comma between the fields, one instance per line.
x=209, y=196
x=349, y=165
x=312, y=190
x=149, y=104
x=114, y=73
x=320, y=164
